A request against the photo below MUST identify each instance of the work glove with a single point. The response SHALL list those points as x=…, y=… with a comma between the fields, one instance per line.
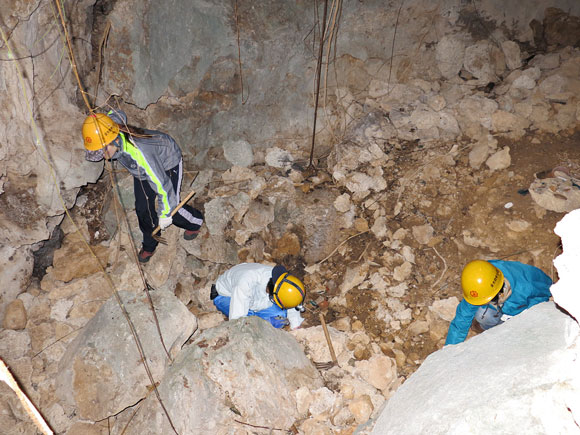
x=164, y=222
x=279, y=321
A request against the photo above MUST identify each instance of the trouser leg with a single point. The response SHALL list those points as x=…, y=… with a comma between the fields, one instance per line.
x=273, y=311
x=488, y=317
x=187, y=217
x=222, y=303
x=145, y=198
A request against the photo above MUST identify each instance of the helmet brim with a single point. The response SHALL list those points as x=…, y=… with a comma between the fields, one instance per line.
x=95, y=155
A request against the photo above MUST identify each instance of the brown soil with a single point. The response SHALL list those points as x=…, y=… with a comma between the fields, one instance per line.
x=461, y=201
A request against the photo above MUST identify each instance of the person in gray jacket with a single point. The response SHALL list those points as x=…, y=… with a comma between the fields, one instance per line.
x=155, y=161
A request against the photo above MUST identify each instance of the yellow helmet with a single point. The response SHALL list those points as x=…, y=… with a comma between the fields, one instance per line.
x=98, y=131
x=481, y=281
x=288, y=291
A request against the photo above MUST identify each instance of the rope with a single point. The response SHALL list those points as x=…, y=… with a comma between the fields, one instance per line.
x=108, y=278
x=239, y=53
x=318, y=73
x=41, y=148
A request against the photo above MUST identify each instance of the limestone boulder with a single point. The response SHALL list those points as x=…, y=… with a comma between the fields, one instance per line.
x=15, y=266
x=242, y=370
x=529, y=383
x=101, y=374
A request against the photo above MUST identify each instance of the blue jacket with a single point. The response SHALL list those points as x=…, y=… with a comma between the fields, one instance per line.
x=529, y=286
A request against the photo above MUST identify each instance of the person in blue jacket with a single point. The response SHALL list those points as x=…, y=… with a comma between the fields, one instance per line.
x=494, y=291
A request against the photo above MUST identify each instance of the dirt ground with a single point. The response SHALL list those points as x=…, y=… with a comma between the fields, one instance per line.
x=466, y=208
x=460, y=202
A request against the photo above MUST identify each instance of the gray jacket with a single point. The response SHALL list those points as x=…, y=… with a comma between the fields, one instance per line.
x=148, y=159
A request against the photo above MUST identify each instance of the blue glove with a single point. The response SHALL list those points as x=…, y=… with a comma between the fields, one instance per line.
x=279, y=321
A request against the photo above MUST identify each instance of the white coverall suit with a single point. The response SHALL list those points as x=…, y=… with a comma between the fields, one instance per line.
x=246, y=286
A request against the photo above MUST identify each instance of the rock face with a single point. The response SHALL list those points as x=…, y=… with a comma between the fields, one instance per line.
x=235, y=371
x=567, y=263
x=519, y=377
x=100, y=374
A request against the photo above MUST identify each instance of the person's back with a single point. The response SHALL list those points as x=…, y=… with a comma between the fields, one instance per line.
x=494, y=291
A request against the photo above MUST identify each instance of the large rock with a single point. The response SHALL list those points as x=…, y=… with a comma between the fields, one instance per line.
x=519, y=377
x=564, y=290
x=484, y=60
x=449, y=54
x=561, y=29
x=101, y=373
x=242, y=370
x=15, y=270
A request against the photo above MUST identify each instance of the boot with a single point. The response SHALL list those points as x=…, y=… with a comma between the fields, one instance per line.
x=144, y=256
x=190, y=235
x=213, y=294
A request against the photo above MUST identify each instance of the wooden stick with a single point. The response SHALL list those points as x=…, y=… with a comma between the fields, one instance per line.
x=175, y=210
x=327, y=335
x=30, y=409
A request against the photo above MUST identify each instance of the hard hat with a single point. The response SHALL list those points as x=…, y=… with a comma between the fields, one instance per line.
x=288, y=291
x=481, y=281
x=98, y=131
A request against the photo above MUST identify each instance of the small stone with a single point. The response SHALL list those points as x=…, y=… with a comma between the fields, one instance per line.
x=518, y=225
x=361, y=408
x=400, y=357
x=418, y=327
x=512, y=53
x=288, y=244
x=342, y=324
x=400, y=234
x=342, y=203
x=423, y=233
x=361, y=353
x=445, y=308
x=15, y=316
x=478, y=155
x=379, y=228
x=414, y=357
x=436, y=102
x=357, y=325
x=322, y=401
x=361, y=224
x=500, y=160
x=303, y=400
x=378, y=371
x=402, y=272
x=343, y=417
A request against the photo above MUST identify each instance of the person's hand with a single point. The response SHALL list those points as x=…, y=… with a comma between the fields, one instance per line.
x=279, y=321
x=164, y=222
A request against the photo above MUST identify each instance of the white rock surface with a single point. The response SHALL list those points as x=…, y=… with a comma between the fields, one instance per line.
x=567, y=264
x=519, y=377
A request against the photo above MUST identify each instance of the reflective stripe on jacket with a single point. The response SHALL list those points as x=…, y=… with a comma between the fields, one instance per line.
x=147, y=159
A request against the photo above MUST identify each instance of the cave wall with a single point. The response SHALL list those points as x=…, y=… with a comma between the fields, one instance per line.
x=175, y=66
